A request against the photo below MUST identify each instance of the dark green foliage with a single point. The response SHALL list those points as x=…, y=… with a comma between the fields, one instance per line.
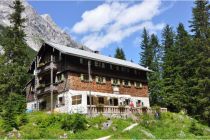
x=181, y=65
x=199, y=82
x=151, y=57
x=155, y=76
x=146, y=55
x=75, y=122
x=14, y=64
x=14, y=105
x=195, y=129
x=119, y=53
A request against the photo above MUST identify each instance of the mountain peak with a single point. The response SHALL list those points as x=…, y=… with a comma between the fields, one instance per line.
x=37, y=27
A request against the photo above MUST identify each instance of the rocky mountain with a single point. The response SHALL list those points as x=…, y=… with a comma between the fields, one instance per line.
x=38, y=27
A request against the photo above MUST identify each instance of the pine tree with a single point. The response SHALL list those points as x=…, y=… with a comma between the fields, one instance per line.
x=145, y=59
x=119, y=53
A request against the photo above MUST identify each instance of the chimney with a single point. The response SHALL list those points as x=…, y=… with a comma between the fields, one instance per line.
x=96, y=52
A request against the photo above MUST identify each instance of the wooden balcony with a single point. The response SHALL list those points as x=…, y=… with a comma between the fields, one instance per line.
x=46, y=89
x=43, y=67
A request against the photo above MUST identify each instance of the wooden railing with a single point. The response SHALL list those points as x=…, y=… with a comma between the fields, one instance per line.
x=46, y=88
x=46, y=66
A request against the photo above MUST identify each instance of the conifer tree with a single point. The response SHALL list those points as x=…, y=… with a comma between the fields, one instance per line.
x=199, y=82
x=119, y=53
x=168, y=65
x=154, y=78
x=145, y=59
x=14, y=64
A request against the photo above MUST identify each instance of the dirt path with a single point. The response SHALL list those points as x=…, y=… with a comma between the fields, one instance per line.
x=126, y=129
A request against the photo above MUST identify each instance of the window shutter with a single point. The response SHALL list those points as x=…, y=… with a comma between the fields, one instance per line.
x=82, y=77
x=135, y=84
x=104, y=79
x=140, y=85
x=103, y=65
x=97, y=79
x=129, y=83
x=81, y=60
x=62, y=77
x=56, y=79
x=123, y=82
x=118, y=81
x=112, y=81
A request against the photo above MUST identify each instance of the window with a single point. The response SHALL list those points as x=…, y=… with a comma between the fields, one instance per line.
x=60, y=78
x=102, y=65
x=76, y=99
x=128, y=70
x=88, y=100
x=126, y=83
x=123, y=69
x=100, y=80
x=126, y=102
x=85, y=78
x=135, y=72
x=96, y=64
x=101, y=100
x=61, y=101
x=99, y=64
x=138, y=103
x=138, y=84
x=117, y=67
x=81, y=60
x=115, y=81
x=111, y=67
x=113, y=102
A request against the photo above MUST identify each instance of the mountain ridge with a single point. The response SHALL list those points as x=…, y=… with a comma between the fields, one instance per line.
x=38, y=27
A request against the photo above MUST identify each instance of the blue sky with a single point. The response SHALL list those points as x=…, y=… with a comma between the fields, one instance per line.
x=105, y=25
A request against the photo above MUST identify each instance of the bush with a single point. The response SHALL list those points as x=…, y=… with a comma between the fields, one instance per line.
x=21, y=120
x=75, y=122
x=195, y=129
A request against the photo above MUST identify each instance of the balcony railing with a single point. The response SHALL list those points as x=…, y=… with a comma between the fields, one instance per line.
x=46, y=66
x=46, y=88
x=107, y=110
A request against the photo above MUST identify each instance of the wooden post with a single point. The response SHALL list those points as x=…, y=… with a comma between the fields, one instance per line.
x=51, y=83
x=89, y=79
x=36, y=83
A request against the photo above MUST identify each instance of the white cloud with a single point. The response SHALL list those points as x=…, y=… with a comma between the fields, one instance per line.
x=113, y=21
x=98, y=41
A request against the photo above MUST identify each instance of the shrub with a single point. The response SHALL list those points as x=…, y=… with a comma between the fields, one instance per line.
x=195, y=129
x=21, y=120
x=75, y=122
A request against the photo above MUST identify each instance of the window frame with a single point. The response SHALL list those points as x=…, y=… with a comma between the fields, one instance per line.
x=76, y=99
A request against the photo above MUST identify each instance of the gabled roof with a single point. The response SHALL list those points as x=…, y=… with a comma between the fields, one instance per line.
x=94, y=56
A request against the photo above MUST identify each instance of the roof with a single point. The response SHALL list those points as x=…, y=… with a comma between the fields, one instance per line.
x=94, y=56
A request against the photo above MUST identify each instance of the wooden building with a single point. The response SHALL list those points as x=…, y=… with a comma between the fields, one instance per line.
x=72, y=80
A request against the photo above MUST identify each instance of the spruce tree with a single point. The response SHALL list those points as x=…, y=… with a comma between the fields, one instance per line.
x=119, y=53
x=145, y=59
x=154, y=78
x=168, y=69
x=14, y=64
x=199, y=82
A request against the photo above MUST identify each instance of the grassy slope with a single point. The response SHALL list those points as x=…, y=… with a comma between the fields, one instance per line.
x=171, y=125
